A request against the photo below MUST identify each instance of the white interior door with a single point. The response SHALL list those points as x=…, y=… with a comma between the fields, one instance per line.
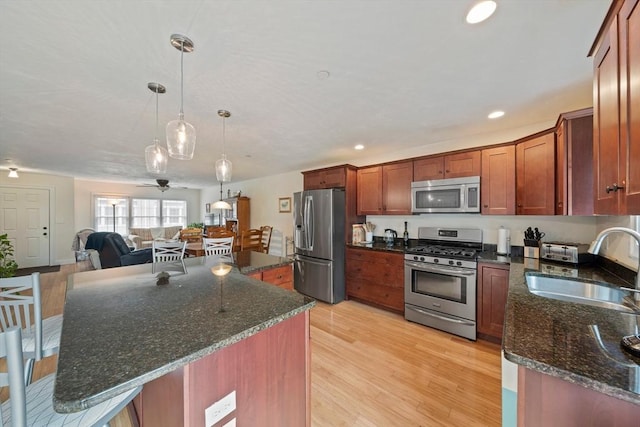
x=24, y=217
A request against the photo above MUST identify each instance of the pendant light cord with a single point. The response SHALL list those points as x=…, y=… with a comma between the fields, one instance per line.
x=182, y=79
x=224, y=150
x=156, y=135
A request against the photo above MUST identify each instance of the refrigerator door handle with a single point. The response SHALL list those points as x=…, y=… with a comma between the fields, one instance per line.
x=310, y=225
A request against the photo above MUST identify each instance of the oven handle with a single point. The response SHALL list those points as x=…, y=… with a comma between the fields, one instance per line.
x=441, y=269
x=437, y=316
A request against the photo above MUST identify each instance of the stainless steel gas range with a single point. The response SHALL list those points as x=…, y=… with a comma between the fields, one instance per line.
x=440, y=279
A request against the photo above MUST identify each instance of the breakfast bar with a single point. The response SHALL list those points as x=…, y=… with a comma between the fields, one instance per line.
x=191, y=339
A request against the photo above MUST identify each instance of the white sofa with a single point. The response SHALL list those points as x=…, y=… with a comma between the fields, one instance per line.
x=142, y=237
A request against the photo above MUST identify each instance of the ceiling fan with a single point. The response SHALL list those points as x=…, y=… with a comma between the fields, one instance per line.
x=161, y=184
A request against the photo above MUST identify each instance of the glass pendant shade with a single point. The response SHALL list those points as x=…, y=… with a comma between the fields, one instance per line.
x=221, y=204
x=223, y=169
x=156, y=157
x=181, y=139
x=181, y=135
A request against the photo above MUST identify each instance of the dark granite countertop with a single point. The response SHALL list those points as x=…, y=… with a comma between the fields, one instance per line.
x=575, y=342
x=251, y=261
x=380, y=245
x=122, y=330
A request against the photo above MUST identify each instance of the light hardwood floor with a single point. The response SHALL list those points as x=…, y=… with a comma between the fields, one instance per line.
x=372, y=368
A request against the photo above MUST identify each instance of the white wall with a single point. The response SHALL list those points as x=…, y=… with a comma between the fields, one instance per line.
x=84, y=191
x=617, y=246
x=569, y=229
x=62, y=228
x=264, y=194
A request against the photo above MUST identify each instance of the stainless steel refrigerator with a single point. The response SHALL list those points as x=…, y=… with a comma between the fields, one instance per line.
x=319, y=244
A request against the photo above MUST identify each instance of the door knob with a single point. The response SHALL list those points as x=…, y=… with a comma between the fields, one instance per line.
x=44, y=234
x=44, y=228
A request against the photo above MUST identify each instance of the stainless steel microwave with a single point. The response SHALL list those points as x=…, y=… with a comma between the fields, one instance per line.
x=446, y=195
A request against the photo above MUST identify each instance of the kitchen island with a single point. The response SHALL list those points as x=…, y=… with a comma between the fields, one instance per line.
x=571, y=370
x=191, y=339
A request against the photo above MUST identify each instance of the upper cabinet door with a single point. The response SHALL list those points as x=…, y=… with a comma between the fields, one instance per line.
x=462, y=164
x=498, y=181
x=428, y=168
x=396, y=188
x=535, y=175
x=369, y=192
x=616, y=105
x=606, y=126
x=449, y=166
x=629, y=57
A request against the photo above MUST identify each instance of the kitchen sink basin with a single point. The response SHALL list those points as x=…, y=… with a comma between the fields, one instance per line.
x=581, y=292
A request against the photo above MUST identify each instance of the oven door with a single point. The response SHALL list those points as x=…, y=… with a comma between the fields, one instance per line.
x=448, y=290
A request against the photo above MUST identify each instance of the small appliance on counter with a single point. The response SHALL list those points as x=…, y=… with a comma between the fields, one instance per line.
x=570, y=253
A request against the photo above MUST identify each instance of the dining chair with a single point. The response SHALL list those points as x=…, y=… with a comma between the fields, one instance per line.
x=168, y=252
x=40, y=337
x=191, y=235
x=266, y=237
x=251, y=240
x=32, y=405
x=218, y=246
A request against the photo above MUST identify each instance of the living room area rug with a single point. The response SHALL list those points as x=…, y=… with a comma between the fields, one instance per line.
x=42, y=269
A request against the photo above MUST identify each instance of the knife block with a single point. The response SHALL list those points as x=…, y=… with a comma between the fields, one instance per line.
x=531, y=248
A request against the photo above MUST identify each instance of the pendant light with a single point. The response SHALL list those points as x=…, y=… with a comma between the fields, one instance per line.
x=223, y=165
x=181, y=135
x=221, y=204
x=156, y=156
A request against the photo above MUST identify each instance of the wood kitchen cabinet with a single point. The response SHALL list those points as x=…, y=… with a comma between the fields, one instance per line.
x=450, y=166
x=545, y=400
x=376, y=277
x=574, y=163
x=282, y=277
x=238, y=215
x=498, y=181
x=493, y=286
x=333, y=177
x=616, y=126
x=385, y=189
x=344, y=176
x=535, y=174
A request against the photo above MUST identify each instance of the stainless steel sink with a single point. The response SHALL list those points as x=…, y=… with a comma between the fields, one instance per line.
x=581, y=292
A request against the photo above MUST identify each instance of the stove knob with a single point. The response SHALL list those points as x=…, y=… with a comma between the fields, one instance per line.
x=422, y=258
x=436, y=260
x=416, y=258
x=450, y=262
x=459, y=262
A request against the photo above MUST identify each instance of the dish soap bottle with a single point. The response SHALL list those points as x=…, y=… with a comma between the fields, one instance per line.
x=405, y=235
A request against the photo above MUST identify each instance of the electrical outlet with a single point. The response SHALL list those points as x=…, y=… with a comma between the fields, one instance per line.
x=220, y=409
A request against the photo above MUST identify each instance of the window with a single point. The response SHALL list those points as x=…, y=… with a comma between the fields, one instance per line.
x=111, y=214
x=143, y=213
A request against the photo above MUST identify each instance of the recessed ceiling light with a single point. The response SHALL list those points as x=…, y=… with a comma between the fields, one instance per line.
x=481, y=11
x=359, y=147
x=496, y=114
x=13, y=173
x=323, y=74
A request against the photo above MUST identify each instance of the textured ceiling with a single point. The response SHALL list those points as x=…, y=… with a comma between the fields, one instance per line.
x=403, y=74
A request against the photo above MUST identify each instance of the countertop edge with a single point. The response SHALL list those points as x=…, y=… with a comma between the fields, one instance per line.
x=75, y=406
x=519, y=299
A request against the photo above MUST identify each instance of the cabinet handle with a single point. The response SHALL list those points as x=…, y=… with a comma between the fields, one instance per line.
x=486, y=206
x=519, y=205
x=615, y=187
x=447, y=171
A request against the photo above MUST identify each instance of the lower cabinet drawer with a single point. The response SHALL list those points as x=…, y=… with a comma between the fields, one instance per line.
x=279, y=276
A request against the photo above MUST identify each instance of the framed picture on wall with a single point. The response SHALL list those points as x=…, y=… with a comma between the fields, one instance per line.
x=207, y=207
x=284, y=204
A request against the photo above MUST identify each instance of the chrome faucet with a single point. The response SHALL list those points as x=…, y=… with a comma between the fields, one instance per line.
x=595, y=248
